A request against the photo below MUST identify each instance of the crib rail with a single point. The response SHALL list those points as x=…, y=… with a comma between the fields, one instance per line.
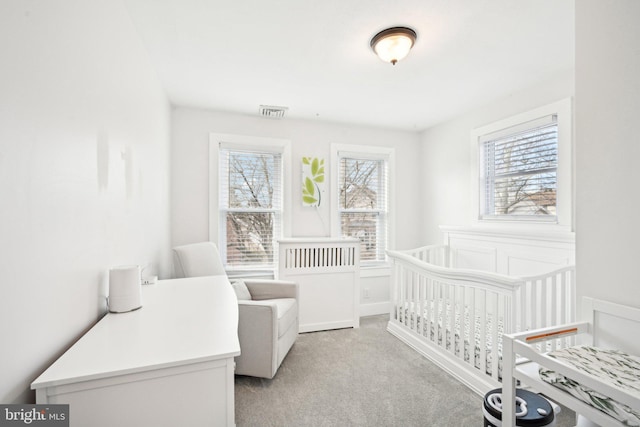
x=438, y=255
x=462, y=314
x=546, y=300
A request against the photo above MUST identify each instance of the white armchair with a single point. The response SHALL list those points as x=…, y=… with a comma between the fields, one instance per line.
x=268, y=313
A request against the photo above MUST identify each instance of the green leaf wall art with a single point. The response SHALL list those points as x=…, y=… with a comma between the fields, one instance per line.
x=312, y=181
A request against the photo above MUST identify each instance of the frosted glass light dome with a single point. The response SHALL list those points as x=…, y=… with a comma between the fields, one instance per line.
x=393, y=44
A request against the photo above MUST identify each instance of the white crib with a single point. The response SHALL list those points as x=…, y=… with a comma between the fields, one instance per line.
x=456, y=317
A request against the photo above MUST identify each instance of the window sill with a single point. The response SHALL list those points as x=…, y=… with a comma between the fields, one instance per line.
x=246, y=274
x=382, y=270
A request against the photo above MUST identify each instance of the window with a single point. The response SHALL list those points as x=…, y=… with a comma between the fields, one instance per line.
x=522, y=167
x=250, y=208
x=519, y=170
x=362, y=184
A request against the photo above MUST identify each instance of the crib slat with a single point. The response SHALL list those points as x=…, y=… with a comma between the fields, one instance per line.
x=472, y=327
x=554, y=308
x=572, y=285
x=449, y=325
x=462, y=310
x=544, y=302
x=444, y=316
x=402, y=303
x=398, y=289
x=398, y=283
x=568, y=303
x=483, y=331
x=406, y=289
x=421, y=299
x=408, y=296
x=494, y=334
x=429, y=325
x=414, y=301
x=459, y=318
x=534, y=304
x=437, y=310
x=410, y=275
x=525, y=312
x=528, y=305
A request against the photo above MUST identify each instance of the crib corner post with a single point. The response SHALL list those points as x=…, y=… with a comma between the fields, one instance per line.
x=508, y=383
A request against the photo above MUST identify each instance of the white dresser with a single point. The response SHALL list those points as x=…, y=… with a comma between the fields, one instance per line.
x=169, y=363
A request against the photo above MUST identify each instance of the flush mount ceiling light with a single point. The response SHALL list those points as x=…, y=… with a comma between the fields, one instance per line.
x=393, y=44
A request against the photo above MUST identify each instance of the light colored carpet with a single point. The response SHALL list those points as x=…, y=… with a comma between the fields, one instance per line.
x=358, y=377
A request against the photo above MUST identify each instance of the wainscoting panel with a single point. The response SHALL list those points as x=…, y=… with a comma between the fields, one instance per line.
x=474, y=258
x=509, y=251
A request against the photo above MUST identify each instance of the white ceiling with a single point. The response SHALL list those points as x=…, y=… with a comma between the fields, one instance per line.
x=314, y=56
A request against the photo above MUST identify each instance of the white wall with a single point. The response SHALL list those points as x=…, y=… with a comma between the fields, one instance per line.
x=190, y=173
x=608, y=149
x=77, y=92
x=446, y=155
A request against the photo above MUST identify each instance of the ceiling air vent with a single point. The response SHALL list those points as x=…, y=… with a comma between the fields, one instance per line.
x=272, y=112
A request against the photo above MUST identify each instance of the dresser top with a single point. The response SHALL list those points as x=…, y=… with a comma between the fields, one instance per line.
x=182, y=321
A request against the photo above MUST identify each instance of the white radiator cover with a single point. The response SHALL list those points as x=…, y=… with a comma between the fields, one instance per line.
x=327, y=271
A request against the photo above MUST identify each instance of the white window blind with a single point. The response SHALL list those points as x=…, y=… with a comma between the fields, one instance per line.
x=250, y=203
x=519, y=171
x=363, y=204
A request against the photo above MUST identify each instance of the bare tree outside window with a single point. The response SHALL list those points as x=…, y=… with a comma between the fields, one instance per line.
x=363, y=205
x=520, y=173
x=251, y=207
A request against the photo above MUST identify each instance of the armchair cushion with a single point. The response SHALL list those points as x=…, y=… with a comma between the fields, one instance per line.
x=242, y=293
x=270, y=289
x=198, y=259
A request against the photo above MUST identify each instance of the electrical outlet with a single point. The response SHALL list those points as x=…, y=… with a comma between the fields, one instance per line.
x=152, y=280
x=366, y=293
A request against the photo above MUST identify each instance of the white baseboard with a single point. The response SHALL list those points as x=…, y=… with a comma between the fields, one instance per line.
x=374, y=309
x=326, y=326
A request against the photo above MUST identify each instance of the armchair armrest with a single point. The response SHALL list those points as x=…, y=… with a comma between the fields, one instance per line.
x=259, y=313
x=262, y=289
x=258, y=336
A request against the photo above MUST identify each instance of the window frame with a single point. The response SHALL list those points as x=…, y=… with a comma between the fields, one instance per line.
x=248, y=144
x=564, y=176
x=386, y=154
